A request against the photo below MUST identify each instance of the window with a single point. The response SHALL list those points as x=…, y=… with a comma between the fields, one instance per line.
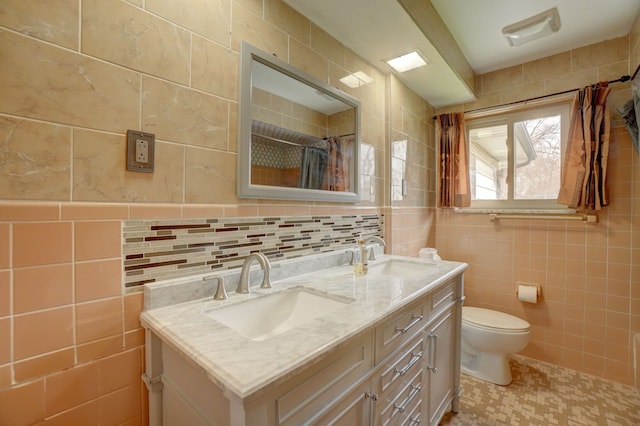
x=515, y=158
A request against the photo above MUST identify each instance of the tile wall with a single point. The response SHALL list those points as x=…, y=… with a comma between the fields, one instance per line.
x=590, y=308
x=76, y=76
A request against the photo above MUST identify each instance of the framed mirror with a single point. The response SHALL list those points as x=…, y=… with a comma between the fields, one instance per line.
x=298, y=137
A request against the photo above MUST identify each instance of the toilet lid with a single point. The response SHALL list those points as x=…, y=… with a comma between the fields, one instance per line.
x=493, y=319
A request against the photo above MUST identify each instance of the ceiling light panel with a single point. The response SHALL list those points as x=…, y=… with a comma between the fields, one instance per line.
x=407, y=62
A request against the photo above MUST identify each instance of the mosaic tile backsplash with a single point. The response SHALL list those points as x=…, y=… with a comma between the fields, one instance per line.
x=161, y=249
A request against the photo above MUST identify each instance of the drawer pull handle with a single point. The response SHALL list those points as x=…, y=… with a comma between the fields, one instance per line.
x=414, y=391
x=415, y=421
x=414, y=358
x=414, y=320
x=434, y=349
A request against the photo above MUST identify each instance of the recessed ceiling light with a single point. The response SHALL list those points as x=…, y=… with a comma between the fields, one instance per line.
x=357, y=79
x=538, y=26
x=407, y=62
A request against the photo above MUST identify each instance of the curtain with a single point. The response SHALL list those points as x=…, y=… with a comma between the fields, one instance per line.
x=312, y=168
x=339, y=156
x=584, y=172
x=454, y=161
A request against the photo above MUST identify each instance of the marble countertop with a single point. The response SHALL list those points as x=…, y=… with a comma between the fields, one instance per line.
x=242, y=367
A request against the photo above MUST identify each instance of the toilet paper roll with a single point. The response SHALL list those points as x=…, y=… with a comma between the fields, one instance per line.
x=527, y=293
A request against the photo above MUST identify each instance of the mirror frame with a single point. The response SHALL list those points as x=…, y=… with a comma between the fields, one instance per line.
x=245, y=188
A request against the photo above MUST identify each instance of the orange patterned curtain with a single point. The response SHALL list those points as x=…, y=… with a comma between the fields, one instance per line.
x=339, y=173
x=584, y=172
x=454, y=161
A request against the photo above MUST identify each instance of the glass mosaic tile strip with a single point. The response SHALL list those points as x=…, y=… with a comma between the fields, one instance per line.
x=163, y=249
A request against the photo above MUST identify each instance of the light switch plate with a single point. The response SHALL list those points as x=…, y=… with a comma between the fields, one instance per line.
x=140, y=151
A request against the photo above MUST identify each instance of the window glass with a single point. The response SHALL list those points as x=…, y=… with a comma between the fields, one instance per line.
x=515, y=158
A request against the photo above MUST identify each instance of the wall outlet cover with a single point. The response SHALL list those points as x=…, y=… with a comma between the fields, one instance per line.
x=140, y=151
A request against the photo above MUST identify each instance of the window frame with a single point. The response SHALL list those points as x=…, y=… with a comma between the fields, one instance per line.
x=509, y=116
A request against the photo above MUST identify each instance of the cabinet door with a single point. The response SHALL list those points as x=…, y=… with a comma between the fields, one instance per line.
x=353, y=409
x=440, y=365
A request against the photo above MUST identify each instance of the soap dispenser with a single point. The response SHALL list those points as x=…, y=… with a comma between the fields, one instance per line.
x=361, y=264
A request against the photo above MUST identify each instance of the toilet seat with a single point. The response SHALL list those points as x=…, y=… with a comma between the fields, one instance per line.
x=487, y=319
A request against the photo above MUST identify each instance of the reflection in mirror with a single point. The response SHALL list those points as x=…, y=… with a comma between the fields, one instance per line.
x=298, y=137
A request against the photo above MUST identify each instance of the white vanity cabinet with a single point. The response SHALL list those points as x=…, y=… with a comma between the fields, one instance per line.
x=403, y=369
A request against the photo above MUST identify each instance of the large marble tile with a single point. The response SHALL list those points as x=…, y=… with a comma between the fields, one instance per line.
x=45, y=82
x=57, y=24
x=99, y=171
x=214, y=68
x=249, y=27
x=35, y=161
x=210, y=177
x=209, y=18
x=178, y=114
x=123, y=34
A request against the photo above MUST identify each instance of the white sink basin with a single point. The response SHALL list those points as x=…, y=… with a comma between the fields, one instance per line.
x=397, y=268
x=270, y=315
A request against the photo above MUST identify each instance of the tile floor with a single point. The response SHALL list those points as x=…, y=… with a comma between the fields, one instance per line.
x=545, y=394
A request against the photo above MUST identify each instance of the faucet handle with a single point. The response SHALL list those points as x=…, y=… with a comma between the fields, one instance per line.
x=221, y=292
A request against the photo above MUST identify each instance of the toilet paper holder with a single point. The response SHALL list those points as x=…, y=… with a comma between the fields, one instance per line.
x=537, y=287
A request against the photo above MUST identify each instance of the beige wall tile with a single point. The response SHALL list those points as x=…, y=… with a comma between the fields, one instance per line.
x=56, y=23
x=123, y=34
x=82, y=379
x=98, y=320
x=41, y=332
x=177, y=114
x=247, y=26
x=23, y=405
x=42, y=287
x=214, y=68
x=548, y=67
x=328, y=46
x=100, y=174
x=210, y=177
x=209, y=18
x=284, y=17
x=35, y=160
x=571, y=81
x=524, y=91
x=155, y=211
x=50, y=83
x=41, y=243
x=606, y=52
x=308, y=61
x=255, y=6
x=502, y=79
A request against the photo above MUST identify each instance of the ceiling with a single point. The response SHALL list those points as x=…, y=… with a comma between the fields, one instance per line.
x=381, y=29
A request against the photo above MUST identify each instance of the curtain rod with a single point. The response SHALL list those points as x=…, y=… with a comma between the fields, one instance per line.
x=622, y=79
x=341, y=136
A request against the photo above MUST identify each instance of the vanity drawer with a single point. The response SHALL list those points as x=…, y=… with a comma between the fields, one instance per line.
x=441, y=298
x=400, y=328
x=405, y=404
x=307, y=396
x=402, y=365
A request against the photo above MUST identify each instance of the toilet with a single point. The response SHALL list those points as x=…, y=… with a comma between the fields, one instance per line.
x=489, y=338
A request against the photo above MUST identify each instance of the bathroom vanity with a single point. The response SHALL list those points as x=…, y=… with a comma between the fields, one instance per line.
x=379, y=349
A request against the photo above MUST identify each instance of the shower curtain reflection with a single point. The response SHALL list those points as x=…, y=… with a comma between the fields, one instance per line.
x=312, y=168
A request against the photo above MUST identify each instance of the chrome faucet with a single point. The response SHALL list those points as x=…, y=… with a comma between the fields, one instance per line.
x=374, y=239
x=243, y=284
